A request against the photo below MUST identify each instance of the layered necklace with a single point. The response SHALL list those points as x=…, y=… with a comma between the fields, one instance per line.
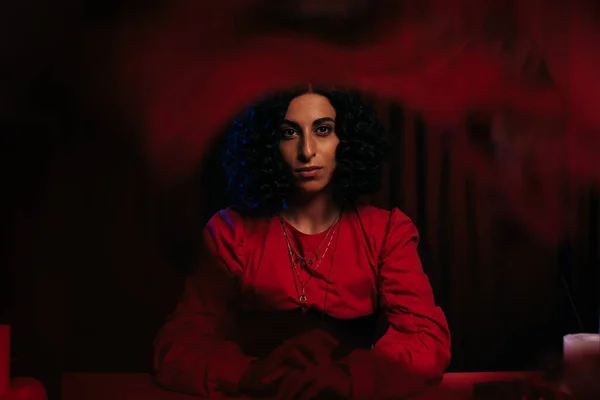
x=306, y=262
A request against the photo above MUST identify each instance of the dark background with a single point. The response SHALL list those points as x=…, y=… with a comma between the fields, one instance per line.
x=96, y=246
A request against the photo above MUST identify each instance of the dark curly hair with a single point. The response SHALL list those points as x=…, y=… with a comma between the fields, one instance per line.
x=257, y=179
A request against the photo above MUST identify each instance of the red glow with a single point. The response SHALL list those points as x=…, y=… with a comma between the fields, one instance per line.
x=189, y=75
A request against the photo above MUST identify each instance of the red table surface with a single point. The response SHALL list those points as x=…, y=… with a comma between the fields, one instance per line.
x=79, y=386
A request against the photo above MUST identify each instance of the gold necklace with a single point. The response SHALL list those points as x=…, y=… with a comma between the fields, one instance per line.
x=302, y=298
x=306, y=261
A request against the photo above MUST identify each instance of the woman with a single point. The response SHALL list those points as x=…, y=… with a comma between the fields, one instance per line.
x=303, y=292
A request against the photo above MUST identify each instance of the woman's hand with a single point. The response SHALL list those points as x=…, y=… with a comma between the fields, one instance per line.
x=329, y=381
x=297, y=354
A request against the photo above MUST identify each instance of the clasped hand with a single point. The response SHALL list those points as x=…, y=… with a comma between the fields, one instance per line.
x=301, y=368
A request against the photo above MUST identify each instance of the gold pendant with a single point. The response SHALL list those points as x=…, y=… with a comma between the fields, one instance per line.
x=303, y=299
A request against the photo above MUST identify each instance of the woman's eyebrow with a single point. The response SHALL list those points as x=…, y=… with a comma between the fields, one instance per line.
x=319, y=121
x=315, y=123
x=293, y=124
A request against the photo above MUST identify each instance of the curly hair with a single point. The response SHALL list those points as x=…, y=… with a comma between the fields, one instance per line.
x=257, y=179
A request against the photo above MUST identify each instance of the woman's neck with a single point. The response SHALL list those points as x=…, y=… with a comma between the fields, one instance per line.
x=312, y=215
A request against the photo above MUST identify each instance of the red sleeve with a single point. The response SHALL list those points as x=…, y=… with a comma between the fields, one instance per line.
x=191, y=353
x=415, y=351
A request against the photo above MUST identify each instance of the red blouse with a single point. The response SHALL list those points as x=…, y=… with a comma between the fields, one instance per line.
x=243, y=302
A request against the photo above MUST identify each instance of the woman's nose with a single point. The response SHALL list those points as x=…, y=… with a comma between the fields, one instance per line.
x=308, y=147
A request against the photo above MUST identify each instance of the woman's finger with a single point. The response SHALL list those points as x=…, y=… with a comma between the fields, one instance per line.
x=318, y=346
x=317, y=353
x=281, y=360
x=298, y=357
x=313, y=389
x=293, y=384
x=268, y=377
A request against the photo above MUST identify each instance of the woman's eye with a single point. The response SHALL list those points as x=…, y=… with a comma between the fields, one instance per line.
x=324, y=130
x=288, y=132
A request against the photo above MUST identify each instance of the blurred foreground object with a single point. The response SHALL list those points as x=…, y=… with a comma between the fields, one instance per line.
x=4, y=359
x=183, y=69
x=17, y=388
x=582, y=365
x=184, y=75
x=25, y=389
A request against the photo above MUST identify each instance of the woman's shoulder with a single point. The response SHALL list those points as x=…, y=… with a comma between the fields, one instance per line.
x=234, y=224
x=386, y=227
x=225, y=219
x=381, y=218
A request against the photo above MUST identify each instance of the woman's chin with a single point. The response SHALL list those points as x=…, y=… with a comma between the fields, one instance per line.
x=310, y=187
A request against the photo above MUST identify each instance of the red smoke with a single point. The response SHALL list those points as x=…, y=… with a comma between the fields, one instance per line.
x=531, y=67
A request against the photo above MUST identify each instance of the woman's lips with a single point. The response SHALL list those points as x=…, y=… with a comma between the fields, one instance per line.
x=309, y=172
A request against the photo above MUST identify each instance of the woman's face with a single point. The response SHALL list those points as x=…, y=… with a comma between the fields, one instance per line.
x=309, y=142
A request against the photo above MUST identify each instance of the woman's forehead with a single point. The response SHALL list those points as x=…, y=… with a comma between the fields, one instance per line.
x=309, y=107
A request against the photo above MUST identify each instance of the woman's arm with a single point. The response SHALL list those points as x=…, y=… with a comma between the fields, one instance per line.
x=415, y=351
x=191, y=352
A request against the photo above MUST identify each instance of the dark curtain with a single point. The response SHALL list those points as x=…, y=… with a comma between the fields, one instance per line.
x=509, y=296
